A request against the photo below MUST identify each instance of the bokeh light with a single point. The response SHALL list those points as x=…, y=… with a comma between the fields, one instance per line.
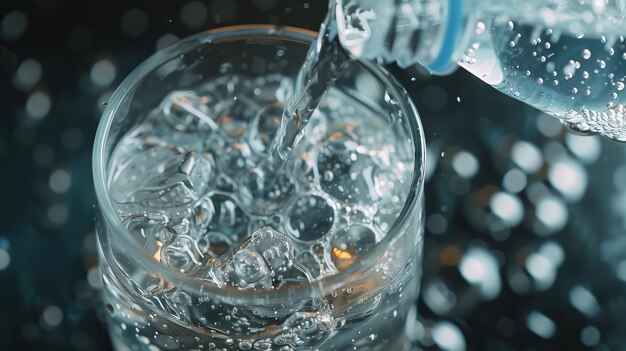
x=38, y=105
x=193, y=14
x=27, y=75
x=103, y=73
x=134, y=22
x=13, y=25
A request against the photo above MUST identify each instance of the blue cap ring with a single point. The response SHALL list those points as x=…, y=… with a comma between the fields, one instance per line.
x=441, y=63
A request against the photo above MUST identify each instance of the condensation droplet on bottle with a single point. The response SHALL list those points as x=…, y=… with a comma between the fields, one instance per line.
x=539, y=81
x=619, y=86
x=586, y=54
x=510, y=25
x=569, y=69
x=480, y=27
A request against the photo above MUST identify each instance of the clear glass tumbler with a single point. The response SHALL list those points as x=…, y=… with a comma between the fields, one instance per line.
x=363, y=299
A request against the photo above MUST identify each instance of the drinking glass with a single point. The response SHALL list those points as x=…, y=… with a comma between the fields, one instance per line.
x=363, y=305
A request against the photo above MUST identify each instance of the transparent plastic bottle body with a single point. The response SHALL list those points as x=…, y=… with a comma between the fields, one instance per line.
x=567, y=59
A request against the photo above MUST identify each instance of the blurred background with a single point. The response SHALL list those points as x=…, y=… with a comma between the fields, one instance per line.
x=525, y=223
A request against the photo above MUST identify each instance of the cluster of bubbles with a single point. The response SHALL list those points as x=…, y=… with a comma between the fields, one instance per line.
x=193, y=184
x=196, y=170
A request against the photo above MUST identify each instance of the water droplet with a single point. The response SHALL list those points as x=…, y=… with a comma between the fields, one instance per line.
x=510, y=25
x=144, y=339
x=480, y=27
x=245, y=345
x=586, y=54
x=569, y=69
x=263, y=345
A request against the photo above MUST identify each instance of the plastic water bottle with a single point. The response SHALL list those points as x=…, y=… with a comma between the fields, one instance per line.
x=567, y=58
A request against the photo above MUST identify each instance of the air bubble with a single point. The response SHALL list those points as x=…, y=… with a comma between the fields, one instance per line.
x=264, y=191
x=264, y=127
x=350, y=243
x=310, y=217
x=227, y=218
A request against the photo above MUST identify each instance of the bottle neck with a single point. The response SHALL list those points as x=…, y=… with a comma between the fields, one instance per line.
x=451, y=38
x=429, y=32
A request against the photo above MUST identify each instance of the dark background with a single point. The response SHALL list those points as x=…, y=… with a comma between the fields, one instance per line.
x=556, y=287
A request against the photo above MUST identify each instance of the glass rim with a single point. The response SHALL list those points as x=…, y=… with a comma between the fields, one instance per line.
x=145, y=259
